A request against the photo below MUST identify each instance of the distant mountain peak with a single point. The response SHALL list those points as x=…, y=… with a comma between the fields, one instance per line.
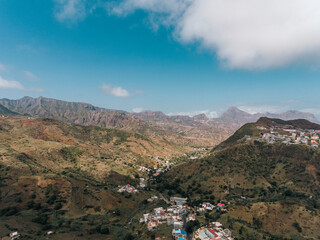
x=238, y=116
x=200, y=116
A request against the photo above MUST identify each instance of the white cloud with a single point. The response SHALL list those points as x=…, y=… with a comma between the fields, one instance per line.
x=208, y=113
x=9, y=84
x=31, y=76
x=137, y=110
x=115, y=91
x=252, y=109
x=70, y=10
x=15, y=85
x=245, y=34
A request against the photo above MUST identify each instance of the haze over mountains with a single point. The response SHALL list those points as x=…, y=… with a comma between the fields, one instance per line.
x=87, y=114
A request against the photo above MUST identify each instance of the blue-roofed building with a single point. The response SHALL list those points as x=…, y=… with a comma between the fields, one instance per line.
x=180, y=203
x=179, y=233
x=184, y=212
x=203, y=235
x=180, y=238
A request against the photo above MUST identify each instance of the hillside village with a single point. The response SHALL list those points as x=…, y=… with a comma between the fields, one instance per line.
x=178, y=214
x=289, y=135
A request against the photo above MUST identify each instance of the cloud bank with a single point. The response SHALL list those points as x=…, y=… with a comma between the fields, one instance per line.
x=208, y=113
x=243, y=34
x=115, y=91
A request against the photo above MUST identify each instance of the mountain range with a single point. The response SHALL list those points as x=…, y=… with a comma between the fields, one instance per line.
x=235, y=115
x=198, y=130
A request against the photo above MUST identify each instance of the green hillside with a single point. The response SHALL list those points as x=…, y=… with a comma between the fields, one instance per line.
x=273, y=189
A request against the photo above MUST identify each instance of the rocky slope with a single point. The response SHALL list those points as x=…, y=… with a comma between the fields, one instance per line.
x=182, y=129
x=5, y=111
x=198, y=128
x=72, y=112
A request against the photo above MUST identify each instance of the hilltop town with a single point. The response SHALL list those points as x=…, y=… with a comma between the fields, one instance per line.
x=289, y=135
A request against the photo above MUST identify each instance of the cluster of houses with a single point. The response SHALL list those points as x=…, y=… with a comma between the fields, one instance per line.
x=144, y=169
x=12, y=236
x=163, y=161
x=156, y=170
x=214, y=231
x=209, y=207
x=16, y=235
x=152, y=199
x=127, y=188
x=289, y=135
x=176, y=215
x=143, y=183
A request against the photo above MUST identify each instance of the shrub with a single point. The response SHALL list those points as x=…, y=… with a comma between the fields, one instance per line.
x=58, y=206
x=75, y=226
x=51, y=199
x=37, y=206
x=41, y=219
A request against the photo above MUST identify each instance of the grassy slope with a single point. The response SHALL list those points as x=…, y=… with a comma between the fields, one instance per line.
x=77, y=166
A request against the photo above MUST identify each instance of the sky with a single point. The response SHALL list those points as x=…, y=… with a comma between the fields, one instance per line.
x=176, y=56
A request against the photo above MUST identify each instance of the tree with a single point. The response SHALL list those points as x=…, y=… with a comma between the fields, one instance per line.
x=30, y=204
x=297, y=226
x=104, y=229
x=129, y=236
x=257, y=223
x=191, y=226
x=117, y=211
x=37, y=206
x=58, y=206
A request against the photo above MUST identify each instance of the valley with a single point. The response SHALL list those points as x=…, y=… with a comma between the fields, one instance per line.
x=147, y=177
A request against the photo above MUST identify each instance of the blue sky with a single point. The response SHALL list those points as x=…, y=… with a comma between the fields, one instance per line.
x=159, y=55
